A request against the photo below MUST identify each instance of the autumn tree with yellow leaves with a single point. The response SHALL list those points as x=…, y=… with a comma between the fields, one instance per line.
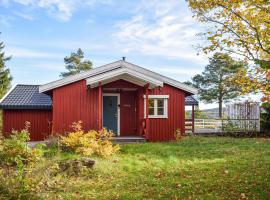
x=239, y=27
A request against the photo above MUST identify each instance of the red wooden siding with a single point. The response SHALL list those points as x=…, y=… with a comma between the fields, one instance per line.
x=120, y=84
x=75, y=102
x=163, y=129
x=40, y=122
x=72, y=103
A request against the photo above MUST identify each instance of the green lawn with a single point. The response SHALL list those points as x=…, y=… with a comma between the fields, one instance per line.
x=196, y=168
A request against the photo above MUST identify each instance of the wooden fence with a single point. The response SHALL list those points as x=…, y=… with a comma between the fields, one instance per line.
x=239, y=117
x=223, y=125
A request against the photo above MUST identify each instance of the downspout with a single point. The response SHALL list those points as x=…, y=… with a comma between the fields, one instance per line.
x=146, y=111
x=99, y=106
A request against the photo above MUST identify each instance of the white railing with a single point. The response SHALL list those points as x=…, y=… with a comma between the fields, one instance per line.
x=220, y=125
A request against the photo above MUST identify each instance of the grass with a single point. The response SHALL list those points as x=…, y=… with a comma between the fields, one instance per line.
x=195, y=168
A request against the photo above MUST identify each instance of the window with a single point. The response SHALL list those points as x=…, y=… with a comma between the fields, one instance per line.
x=157, y=106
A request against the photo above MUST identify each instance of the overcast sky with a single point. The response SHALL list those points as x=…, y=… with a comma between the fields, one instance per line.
x=158, y=35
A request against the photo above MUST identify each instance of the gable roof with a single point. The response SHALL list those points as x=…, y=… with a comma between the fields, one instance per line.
x=124, y=74
x=28, y=97
x=114, y=66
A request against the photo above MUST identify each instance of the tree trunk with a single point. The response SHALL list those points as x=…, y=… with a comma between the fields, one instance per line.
x=220, y=108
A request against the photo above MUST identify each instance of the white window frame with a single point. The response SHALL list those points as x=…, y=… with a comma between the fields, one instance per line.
x=155, y=97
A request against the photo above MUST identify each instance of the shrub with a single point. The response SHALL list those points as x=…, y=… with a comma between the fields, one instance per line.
x=16, y=186
x=14, y=149
x=89, y=143
x=178, y=134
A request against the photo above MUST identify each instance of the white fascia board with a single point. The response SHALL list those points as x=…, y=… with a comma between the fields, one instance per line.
x=120, y=73
x=162, y=78
x=113, y=66
x=80, y=76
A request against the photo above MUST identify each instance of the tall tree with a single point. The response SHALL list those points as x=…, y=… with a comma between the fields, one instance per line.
x=75, y=63
x=241, y=27
x=215, y=83
x=5, y=77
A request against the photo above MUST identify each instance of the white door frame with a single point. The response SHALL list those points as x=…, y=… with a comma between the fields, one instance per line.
x=118, y=109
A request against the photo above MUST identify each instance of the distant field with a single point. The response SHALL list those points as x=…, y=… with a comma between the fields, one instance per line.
x=195, y=168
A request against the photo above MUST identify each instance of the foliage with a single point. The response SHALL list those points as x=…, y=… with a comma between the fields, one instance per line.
x=239, y=27
x=89, y=143
x=215, y=83
x=178, y=135
x=193, y=168
x=198, y=113
x=229, y=127
x=254, y=80
x=5, y=77
x=37, y=181
x=265, y=117
x=75, y=64
x=16, y=162
x=14, y=150
x=14, y=185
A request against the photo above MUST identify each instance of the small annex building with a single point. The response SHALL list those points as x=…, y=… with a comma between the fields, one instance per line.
x=123, y=97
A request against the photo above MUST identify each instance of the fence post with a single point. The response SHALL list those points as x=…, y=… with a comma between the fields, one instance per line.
x=203, y=123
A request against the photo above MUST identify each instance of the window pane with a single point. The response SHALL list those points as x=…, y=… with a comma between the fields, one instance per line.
x=160, y=103
x=151, y=103
x=160, y=111
x=151, y=111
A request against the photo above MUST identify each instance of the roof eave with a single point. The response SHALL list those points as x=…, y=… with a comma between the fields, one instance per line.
x=77, y=77
x=120, y=74
x=84, y=75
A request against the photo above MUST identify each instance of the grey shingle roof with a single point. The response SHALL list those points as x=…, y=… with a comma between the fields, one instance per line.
x=26, y=97
x=190, y=100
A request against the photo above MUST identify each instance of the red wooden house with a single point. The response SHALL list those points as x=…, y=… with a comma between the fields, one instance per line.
x=123, y=97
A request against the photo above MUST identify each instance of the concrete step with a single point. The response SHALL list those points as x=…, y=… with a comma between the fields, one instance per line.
x=128, y=140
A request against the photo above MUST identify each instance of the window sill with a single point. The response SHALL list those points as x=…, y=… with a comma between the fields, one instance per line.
x=157, y=117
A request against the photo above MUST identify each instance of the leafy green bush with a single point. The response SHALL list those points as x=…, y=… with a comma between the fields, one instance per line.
x=15, y=185
x=230, y=127
x=89, y=143
x=14, y=149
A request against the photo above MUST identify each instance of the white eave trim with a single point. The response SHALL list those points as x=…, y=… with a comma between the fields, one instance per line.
x=113, y=66
x=162, y=78
x=80, y=76
x=121, y=73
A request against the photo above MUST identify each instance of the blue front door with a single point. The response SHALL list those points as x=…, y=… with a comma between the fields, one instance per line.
x=110, y=117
